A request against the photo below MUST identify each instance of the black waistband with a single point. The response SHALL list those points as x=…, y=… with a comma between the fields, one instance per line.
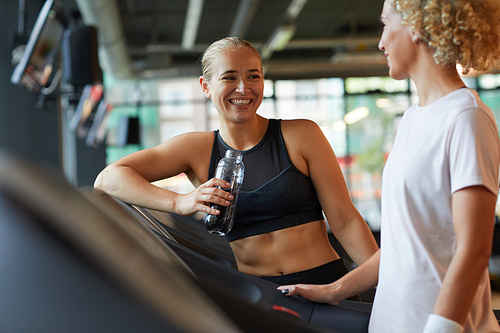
x=323, y=274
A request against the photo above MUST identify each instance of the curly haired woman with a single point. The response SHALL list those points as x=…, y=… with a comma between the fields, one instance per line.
x=440, y=182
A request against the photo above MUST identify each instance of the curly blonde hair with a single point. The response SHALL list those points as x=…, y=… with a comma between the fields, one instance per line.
x=229, y=43
x=466, y=32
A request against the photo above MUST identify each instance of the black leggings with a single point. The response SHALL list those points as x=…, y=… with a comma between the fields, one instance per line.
x=323, y=274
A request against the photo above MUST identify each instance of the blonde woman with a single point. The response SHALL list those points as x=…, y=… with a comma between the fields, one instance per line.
x=291, y=177
x=440, y=183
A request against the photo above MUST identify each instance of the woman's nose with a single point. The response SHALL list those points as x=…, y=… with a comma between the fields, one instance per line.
x=242, y=86
x=380, y=45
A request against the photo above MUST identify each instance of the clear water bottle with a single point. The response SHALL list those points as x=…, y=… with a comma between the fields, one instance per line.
x=231, y=170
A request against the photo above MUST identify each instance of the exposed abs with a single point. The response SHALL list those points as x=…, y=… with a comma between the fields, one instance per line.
x=284, y=251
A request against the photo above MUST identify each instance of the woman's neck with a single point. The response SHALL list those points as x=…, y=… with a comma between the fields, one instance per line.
x=434, y=81
x=243, y=136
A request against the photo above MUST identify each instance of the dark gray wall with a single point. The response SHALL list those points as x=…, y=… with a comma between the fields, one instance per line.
x=26, y=130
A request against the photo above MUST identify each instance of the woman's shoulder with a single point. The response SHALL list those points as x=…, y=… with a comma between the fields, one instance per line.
x=303, y=138
x=297, y=122
x=299, y=125
x=466, y=103
x=300, y=128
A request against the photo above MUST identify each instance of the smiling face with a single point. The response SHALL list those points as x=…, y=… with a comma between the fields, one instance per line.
x=396, y=43
x=236, y=86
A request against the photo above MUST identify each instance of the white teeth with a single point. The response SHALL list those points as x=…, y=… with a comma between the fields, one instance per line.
x=240, y=101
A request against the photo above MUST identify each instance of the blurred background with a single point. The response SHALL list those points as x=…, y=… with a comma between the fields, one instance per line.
x=135, y=82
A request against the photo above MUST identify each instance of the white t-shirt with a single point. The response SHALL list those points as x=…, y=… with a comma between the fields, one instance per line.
x=440, y=148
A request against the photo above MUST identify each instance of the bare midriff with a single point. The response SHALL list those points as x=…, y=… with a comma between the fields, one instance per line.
x=284, y=251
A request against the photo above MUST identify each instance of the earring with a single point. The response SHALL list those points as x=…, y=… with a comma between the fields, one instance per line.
x=414, y=39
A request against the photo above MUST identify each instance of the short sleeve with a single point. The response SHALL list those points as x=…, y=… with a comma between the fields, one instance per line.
x=474, y=151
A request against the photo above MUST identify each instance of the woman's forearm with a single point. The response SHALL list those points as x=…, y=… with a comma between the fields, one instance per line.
x=362, y=278
x=126, y=184
x=357, y=239
x=460, y=285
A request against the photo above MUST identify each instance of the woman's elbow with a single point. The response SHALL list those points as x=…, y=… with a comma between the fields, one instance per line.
x=98, y=181
x=484, y=256
x=479, y=256
x=102, y=181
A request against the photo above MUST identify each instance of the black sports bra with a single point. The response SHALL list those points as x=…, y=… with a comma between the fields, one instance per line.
x=275, y=195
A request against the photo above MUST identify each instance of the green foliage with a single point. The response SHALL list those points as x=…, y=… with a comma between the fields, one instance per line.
x=372, y=158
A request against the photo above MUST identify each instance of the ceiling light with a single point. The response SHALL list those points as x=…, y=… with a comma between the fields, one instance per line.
x=295, y=8
x=278, y=40
x=282, y=37
x=192, y=23
x=244, y=16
